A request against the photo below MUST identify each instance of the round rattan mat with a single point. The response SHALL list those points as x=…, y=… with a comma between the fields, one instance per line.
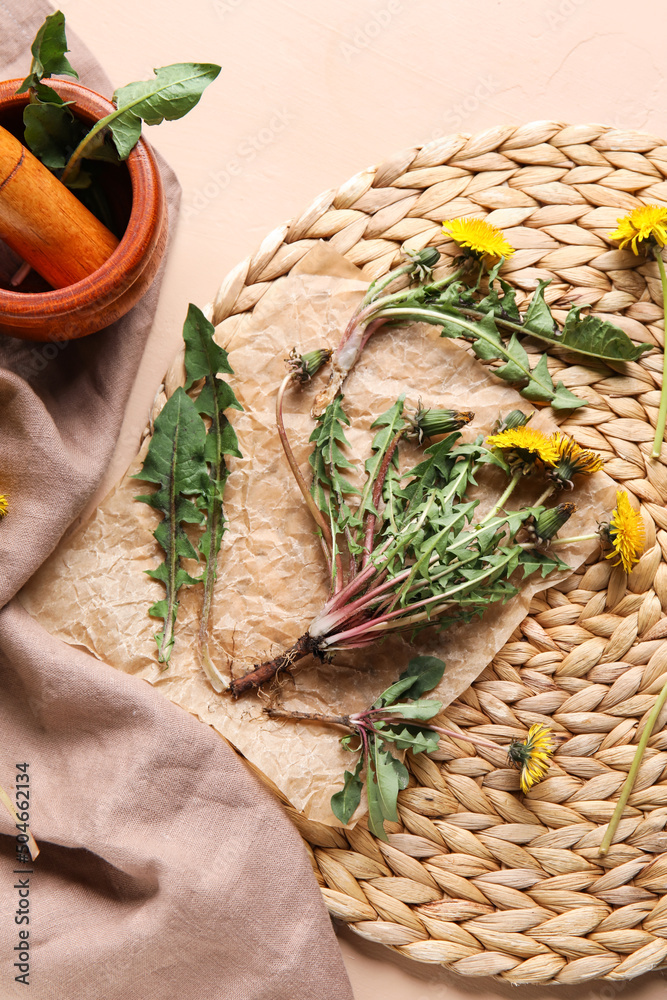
x=476, y=876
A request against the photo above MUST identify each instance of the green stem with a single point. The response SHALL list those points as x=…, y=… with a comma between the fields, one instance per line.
x=296, y=471
x=371, y=296
x=380, y=284
x=477, y=332
x=662, y=412
x=632, y=773
x=573, y=539
x=504, y=498
x=545, y=496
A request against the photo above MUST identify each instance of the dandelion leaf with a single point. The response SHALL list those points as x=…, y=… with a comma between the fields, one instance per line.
x=173, y=92
x=345, y=802
x=175, y=464
x=204, y=359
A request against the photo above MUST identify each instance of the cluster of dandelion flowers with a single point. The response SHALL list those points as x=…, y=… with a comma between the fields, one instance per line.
x=524, y=447
x=646, y=224
x=532, y=755
x=478, y=238
x=625, y=533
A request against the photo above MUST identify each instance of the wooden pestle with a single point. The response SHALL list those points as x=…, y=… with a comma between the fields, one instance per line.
x=43, y=222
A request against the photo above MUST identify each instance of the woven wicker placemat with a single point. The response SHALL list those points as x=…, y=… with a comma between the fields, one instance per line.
x=476, y=876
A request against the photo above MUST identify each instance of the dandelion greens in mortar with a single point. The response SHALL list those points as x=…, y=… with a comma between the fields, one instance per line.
x=62, y=141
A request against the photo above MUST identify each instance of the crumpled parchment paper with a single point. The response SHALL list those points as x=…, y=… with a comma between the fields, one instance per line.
x=93, y=592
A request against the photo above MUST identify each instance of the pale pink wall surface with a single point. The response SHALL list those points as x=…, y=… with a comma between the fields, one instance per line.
x=311, y=92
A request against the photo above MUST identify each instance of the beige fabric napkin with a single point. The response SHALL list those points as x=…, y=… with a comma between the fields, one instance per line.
x=166, y=869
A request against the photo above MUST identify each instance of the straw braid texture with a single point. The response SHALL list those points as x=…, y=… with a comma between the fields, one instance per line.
x=476, y=876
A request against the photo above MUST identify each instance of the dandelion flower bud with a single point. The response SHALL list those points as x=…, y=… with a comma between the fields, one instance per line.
x=550, y=521
x=304, y=366
x=429, y=423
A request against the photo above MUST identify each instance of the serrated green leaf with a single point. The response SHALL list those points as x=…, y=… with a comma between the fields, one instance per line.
x=174, y=91
x=540, y=389
x=51, y=133
x=175, y=463
x=532, y=561
x=411, y=738
x=563, y=399
x=517, y=364
x=538, y=318
x=597, y=338
x=204, y=359
x=48, y=52
x=346, y=802
x=328, y=463
x=488, y=344
x=389, y=423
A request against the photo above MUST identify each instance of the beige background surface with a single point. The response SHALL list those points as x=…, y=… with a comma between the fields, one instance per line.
x=313, y=91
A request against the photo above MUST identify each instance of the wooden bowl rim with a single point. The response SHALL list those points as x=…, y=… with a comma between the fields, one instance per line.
x=138, y=241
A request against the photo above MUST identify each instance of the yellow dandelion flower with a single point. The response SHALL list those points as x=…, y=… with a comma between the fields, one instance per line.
x=648, y=222
x=572, y=460
x=532, y=755
x=4, y=505
x=524, y=446
x=626, y=533
x=478, y=237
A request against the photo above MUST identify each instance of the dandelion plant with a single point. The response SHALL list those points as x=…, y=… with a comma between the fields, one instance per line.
x=186, y=459
x=402, y=720
x=482, y=312
x=406, y=551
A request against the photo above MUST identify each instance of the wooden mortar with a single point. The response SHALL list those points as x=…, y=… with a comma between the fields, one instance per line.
x=134, y=191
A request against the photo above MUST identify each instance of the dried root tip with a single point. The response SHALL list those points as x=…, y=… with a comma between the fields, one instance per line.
x=264, y=672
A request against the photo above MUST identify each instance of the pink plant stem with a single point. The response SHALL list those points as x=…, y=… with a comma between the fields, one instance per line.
x=467, y=737
x=326, y=539
x=372, y=624
x=355, y=584
x=392, y=719
x=377, y=496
